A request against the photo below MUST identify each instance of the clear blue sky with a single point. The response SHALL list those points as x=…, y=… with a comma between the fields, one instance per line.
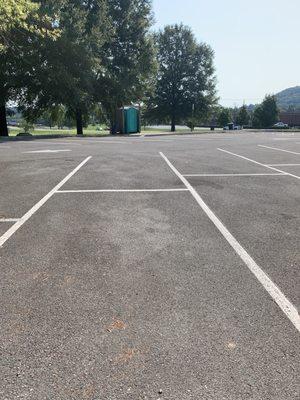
x=256, y=42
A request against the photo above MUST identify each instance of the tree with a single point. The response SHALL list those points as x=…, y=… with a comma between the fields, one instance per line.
x=55, y=116
x=66, y=71
x=243, y=116
x=224, y=117
x=15, y=14
x=20, y=21
x=266, y=114
x=129, y=62
x=186, y=83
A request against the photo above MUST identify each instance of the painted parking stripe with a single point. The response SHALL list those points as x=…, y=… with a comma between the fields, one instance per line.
x=258, y=163
x=8, y=234
x=212, y=175
x=282, y=165
x=43, y=141
x=277, y=295
x=45, y=151
x=123, y=190
x=276, y=148
x=9, y=219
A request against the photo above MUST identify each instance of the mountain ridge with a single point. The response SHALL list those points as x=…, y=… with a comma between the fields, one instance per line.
x=289, y=98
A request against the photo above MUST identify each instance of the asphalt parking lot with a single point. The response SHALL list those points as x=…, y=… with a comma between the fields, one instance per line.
x=150, y=268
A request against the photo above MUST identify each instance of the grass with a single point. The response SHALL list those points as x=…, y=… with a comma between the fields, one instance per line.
x=90, y=130
x=95, y=130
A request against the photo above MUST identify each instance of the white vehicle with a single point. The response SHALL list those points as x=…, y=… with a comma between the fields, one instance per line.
x=281, y=125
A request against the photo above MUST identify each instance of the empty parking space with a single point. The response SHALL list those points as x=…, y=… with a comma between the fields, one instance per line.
x=157, y=269
x=24, y=180
x=112, y=171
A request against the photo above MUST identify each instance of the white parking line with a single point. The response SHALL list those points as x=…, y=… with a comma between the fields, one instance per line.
x=209, y=175
x=276, y=148
x=44, y=151
x=143, y=140
x=288, y=138
x=9, y=219
x=122, y=190
x=108, y=141
x=282, y=165
x=258, y=163
x=278, y=296
x=39, y=204
x=42, y=142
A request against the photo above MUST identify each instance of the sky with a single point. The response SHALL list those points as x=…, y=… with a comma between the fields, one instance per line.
x=256, y=42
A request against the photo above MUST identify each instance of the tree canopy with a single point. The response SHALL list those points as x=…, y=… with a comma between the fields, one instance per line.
x=266, y=114
x=224, y=117
x=186, y=83
x=67, y=69
x=129, y=63
x=243, y=117
x=76, y=55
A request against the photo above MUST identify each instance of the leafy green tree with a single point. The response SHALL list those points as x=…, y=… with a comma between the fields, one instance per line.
x=266, y=114
x=25, y=15
x=66, y=71
x=224, y=117
x=243, y=116
x=20, y=22
x=55, y=116
x=129, y=62
x=185, y=87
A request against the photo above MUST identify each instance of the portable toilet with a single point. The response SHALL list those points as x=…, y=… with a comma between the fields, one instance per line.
x=128, y=120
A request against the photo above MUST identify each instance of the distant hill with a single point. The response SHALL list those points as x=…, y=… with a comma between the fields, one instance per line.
x=289, y=98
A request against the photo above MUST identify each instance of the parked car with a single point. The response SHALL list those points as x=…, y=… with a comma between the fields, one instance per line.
x=232, y=127
x=280, y=125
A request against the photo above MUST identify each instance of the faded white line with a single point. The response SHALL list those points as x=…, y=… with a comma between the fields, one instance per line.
x=107, y=141
x=258, y=163
x=282, y=165
x=42, y=142
x=155, y=140
x=44, y=151
x=39, y=204
x=121, y=190
x=208, y=175
x=276, y=148
x=277, y=295
x=288, y=138
x=9, y=219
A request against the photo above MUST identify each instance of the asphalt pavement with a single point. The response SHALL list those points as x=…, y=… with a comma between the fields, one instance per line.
x=160, y=268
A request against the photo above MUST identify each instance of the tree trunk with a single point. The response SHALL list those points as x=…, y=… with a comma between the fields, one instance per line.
x=113, y=130
x=79, y=124
x=173, y=126
x=3, y=121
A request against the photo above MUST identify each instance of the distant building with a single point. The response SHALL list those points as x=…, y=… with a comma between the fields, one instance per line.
x=292, y=118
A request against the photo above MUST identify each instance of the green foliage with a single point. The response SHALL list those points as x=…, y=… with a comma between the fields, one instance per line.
x=24, y=15
x=67, y=70
x=75, y=60
x=191, y=123
x=55, y=116
x=129, y=62
x=224, y=117
x=27, y=126
x=186, y=78
x=266, y=114
x=243, y=117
